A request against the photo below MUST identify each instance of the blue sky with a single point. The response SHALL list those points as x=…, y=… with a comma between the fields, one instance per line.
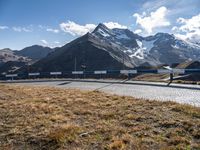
x=56, y=22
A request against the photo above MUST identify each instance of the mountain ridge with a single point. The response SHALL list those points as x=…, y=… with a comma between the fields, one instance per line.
x=122, y=48
x=10, y=60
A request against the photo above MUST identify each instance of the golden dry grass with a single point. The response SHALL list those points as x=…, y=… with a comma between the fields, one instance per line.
x=152, y=77
x=52, y=118
x=162, y=78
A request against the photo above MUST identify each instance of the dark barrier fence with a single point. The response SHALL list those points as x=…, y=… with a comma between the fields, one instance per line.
x=95, y=74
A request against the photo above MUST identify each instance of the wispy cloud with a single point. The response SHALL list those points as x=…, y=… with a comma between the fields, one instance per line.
x=56, y=42
x=44, y=42
x=76, y=29
x=138, y=31
x=152, y=20
x=4, y=27
x=113, y=25
x=17, y=29
x=52, y=30
x=21, y=29
x=176, y=7
x=42, y=27
x=52, y=44
x=152, y=5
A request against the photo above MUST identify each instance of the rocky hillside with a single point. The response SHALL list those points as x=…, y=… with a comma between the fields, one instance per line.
x=112, y=49
x=34, y=52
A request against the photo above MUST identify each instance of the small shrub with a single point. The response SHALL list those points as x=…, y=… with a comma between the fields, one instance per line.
x=117, y=145
x=64, y=134
x=188, y=110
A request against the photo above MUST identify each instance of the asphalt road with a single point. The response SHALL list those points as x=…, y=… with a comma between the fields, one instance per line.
x=181, y=93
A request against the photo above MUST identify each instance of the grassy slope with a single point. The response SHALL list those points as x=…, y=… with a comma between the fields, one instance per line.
x=50, y=118
x=161, y=78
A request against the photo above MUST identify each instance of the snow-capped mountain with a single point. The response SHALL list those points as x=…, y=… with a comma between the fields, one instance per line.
x=106, y=48
x=158, y=49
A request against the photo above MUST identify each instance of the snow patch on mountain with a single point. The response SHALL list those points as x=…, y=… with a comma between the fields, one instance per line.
x=150, y=48
x=103, y=33
x=139, y=54
x=176, y=46
x=148, y=45
x=144, y=48
x=185, y=44
x=122, y=36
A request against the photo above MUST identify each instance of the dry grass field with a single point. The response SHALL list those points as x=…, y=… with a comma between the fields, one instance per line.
x=51, y=118
x=162, y=78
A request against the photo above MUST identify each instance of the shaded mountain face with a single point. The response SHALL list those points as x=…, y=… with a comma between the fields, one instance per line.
x=85, y=51
x=190, y=65
x=34, y=52
x=117, y=49
x=99, y=50
x=11, y=66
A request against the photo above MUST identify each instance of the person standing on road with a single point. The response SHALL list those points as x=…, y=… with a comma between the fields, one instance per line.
x=170, y=78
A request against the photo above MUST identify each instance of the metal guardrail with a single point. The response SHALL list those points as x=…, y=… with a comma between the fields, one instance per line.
x=104, y=72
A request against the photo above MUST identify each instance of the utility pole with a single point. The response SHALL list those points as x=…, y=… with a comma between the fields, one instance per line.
x=28, y=70
x=123, y=62
x=75, y=64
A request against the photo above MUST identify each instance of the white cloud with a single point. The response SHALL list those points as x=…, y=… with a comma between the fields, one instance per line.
x=26, y=30
x=188, y=28
x=76, y=29
x=138, y=31
x=48, y=29
x=155, y=4
x=175, y=28
x=17, y=29
x=44, y=42
x=21, y=29
x=153, y=20
x=52, y=44
x=113, y=25
x=3, y=27
x=189, y=25
x=41, y=26
x=56, y=42
x=52, y=30
x=176, y=6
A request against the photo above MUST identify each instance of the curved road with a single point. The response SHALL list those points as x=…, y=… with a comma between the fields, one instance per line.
x=181, y=93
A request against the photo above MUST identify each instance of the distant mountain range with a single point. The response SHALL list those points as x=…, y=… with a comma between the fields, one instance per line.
x=34, y=52
x=12, y=60
x=112, y=49
x=9, y=55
